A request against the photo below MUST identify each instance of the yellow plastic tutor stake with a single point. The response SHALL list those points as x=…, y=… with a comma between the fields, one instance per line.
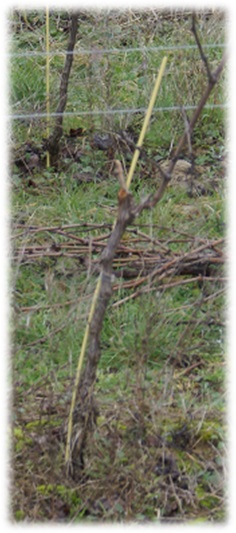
x=146, y=122
x=97, y=289
x=47, y=83
x=78, y=372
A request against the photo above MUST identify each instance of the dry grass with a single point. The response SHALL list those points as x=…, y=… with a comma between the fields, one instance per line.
x=144, y=461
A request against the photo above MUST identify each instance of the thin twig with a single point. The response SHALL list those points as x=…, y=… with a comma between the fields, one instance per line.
x=164, y=286
x=188, y=136
x=41, y=340
x=52, y=306
x=151, y=200
x=188, y=369
x=210, y=76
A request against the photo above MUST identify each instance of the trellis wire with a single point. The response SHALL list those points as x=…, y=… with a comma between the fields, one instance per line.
x=103, y=51
x=111, y=111
x=117, y=50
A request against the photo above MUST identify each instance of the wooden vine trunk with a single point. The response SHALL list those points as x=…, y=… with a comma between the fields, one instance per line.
x=85, y=412
x=53, y=142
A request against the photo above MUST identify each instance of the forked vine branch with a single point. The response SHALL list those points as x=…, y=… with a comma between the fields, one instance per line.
x=84, y=414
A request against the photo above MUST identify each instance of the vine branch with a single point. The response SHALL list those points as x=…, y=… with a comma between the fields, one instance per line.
x=55, y=137
x=85, y=412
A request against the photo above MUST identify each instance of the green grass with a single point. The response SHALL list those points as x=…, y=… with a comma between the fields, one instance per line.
x=119, y=80
x=160, y=381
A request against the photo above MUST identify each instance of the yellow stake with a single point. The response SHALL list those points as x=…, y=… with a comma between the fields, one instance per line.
x=146, y=122
x=78, y=372
x=47, y=83
x=97, y=289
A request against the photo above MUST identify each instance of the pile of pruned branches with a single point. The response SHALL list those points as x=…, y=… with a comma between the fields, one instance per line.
x=139, y=259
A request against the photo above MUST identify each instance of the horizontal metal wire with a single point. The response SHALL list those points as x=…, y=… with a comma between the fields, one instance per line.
x=124, y=50
x=110, y=112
